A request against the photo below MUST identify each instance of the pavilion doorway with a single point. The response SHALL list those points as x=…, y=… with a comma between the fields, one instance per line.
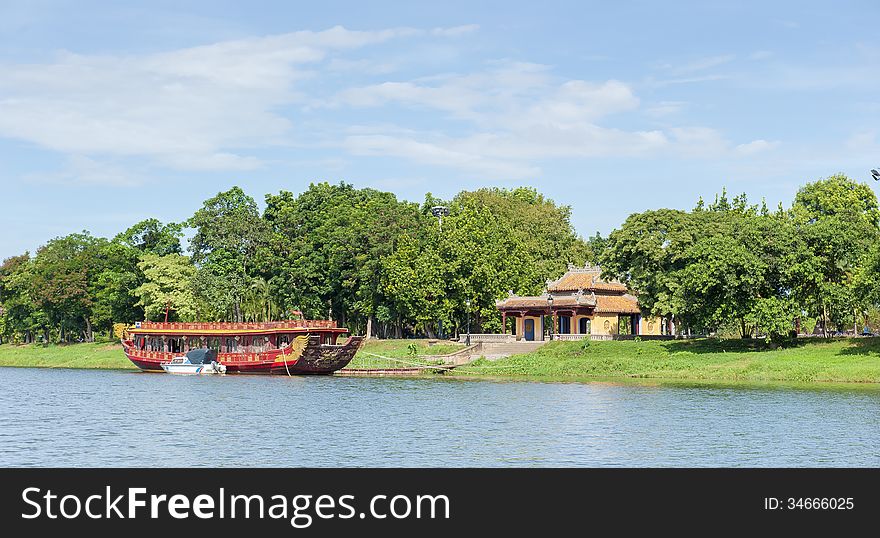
x=584, y=326
x=529, y=329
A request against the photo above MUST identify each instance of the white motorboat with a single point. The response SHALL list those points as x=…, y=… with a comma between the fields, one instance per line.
x=197, y=361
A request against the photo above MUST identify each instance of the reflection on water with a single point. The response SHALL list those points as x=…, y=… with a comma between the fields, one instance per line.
x=114, y=418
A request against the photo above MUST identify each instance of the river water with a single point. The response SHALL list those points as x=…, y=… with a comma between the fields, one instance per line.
x=124, y=419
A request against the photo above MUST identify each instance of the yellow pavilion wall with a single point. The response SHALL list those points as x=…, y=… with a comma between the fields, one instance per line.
x=599, y=324
x=520, y=327
x=650, y=326
x=647, y=326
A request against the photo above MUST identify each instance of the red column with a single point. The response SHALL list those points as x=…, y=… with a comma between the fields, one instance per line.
x=504, y=323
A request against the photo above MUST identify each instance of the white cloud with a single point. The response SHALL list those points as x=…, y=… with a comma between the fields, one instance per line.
x=206, y=108
x=438, y=154
x=700, y=64
x=455, y=31
x=685, y=80
x=192, y=109
x=755, y=146
x=468, y=95
x=82, y=169
x=665, y=108
x=576, y=102
x=516, y=115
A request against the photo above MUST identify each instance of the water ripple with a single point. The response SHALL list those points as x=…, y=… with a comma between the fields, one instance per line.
x=125, y=419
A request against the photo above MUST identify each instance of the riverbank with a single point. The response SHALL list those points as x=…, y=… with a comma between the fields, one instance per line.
x=109, y=356
x=852, y=360
x=99, y=355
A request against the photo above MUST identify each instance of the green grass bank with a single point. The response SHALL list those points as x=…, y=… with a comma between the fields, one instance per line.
x=852, y=360
x=402, y=353
x=106, y=355
x=99, y=355
x=855, y=360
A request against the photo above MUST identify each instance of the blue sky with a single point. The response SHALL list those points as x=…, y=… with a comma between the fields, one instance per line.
x=110, y=114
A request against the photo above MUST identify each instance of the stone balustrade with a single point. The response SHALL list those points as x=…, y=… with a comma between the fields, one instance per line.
x=487, y=338
x=571, y=337
x=504, y=338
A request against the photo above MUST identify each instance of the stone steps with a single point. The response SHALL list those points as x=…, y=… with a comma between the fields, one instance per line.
x=500, y=350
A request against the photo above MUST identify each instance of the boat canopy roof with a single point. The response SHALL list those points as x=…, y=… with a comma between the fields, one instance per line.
x=236, y=329
x=201, y=356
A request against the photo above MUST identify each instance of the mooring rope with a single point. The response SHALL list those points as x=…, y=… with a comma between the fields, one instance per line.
x=283, y=353
x=414, y=364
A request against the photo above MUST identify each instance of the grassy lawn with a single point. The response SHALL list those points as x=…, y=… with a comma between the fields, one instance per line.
x=98, y=355
x=410, y=351
x=855, y=360
x=110, y=356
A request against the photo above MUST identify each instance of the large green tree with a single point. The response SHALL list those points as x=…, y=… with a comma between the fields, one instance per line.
x=492, y=242
x=154, y=237
x=230, y=236
x=62, y=280
x=728, y=263
x=22, y=319
x=328, y=249
x=839, y=221
x=167, y=290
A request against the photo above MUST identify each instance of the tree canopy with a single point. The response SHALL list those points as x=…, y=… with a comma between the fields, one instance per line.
x=382, y=265
x=731, y=264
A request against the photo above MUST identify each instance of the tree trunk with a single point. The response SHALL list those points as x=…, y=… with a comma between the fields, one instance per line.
x=824, y=321
x=90, y=337
x=237, y=312
x=369, y=331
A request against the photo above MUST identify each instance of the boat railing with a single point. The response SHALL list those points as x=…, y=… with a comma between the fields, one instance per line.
x=226, y=326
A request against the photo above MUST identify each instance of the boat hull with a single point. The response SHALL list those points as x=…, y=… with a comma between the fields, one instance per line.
x=311, y=358
x=190, y=369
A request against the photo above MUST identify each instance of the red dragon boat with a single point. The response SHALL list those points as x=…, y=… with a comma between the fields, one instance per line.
x=275, y=347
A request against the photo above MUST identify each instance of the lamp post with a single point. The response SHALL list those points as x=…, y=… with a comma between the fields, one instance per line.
x=467, y=303
x=550, y=309
x=440, y=211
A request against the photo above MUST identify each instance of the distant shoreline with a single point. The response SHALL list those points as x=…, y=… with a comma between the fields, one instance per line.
x=807, y=361
x=816, y=363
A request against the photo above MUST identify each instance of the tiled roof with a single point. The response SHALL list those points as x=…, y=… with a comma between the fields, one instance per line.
x=585, y=278
x=621, y=304
x=541, y=302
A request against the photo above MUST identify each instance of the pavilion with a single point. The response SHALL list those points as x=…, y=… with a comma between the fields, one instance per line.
x=580, y=303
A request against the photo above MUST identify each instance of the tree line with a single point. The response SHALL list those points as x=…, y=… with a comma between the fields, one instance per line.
x=363, y=257
x=384, y=266
x=733, y=267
